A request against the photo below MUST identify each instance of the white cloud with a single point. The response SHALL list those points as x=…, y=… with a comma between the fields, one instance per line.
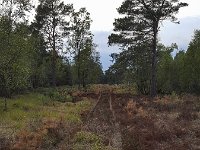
x=103, y=12
x=101, y=38
x=179, y=33
x=191, y=10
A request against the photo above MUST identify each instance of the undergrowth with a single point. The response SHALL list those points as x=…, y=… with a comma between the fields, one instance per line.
x=36, y=119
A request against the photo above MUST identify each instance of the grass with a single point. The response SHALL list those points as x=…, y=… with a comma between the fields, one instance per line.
x=36, y=120
x=86, y=140
x=117, y=89
x=34, y=105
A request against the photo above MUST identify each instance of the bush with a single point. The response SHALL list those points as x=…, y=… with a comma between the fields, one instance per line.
x=174, y=96
x=59, y=95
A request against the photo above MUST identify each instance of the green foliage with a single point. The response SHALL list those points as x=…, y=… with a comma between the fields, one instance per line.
x=165, y=68
x=32, y=56
x=89, y=65
x=15, y=47
x=191, y=61
x=131, y=67
x=174, y=96
x=83, y=49
x=86, y=140
x=180, y=74
x=51, y=23
x=60, y=96
x=15, y=59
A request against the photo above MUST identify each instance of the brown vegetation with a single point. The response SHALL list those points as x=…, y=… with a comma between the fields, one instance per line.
x=118, y=120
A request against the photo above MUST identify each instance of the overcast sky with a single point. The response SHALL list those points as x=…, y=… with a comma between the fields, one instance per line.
x=103, y=13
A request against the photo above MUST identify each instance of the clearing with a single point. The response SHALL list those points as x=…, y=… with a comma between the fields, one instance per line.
x=103, y=117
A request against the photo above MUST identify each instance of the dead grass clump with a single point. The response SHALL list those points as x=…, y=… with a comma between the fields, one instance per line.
x=142, y=138
x=162, y=100
x=179, y=131
x=165, y=107
x=142, y=112
x=27, y=140
x=163, y=130
x=191, y=101
x=165, y=104
x=53, y=133
x=197, y=133
x=34, y=123
x=187, y=115
x=174, y=146
x=129, y=141
x=5, y=143
x=188, y=110
x=140, y=135
x=154, y=132
x=46, y=136
x=131, y=108
x=134, y=110
x=138, y=139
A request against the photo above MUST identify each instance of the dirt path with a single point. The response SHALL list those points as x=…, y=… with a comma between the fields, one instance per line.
x=102, y=121
x=131, y=122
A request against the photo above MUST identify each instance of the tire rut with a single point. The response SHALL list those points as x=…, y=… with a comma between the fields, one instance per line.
x=102, y=121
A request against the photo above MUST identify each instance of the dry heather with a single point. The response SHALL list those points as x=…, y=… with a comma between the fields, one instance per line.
x=163, y=123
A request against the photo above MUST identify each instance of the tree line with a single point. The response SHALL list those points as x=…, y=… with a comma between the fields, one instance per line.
x=55, y=49
x=178, y=72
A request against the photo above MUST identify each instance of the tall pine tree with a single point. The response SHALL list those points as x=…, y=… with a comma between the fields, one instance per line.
x=52, y=20
x=141, y=23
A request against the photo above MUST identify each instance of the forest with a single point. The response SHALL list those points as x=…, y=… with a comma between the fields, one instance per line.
x=55, y=94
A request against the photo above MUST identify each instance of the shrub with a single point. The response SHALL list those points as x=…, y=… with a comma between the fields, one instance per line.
x=59, y=95
x=174, y=96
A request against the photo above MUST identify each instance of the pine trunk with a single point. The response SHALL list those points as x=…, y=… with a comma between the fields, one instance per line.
x=154, y=61
x=54, y=55
x=79, y=67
